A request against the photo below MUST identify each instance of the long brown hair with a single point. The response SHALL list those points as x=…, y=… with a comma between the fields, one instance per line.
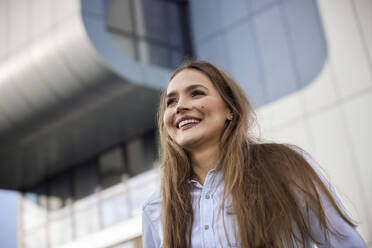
x=273, y=187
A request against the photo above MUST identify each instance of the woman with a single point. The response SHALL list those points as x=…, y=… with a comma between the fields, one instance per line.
x=223, y=188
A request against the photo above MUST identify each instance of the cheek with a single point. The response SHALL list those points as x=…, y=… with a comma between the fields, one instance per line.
x=167, y=120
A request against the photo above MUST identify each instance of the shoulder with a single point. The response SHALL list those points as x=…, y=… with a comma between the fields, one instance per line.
x=152, y=205
x=151, y=221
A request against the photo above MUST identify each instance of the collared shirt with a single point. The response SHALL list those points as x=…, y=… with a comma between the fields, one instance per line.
x=208, y=228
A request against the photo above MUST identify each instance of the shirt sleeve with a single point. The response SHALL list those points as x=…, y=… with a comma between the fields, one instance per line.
x=350, y=236
x=150, y=238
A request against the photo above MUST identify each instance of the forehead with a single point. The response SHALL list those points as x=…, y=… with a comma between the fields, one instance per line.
x=188, y=77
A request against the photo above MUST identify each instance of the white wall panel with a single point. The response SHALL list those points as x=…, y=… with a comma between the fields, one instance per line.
x=333, y=153
x=345, y=49
x=62, y=9
x=364, y=14
x=359, y=120
x=285, y=110
x=18, y=23
x=294, y=133
x=41, y=16
x=3, y=27
x=264, y=123
x=321, y=92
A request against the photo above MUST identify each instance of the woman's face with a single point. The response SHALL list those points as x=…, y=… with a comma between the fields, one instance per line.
x=195, y=113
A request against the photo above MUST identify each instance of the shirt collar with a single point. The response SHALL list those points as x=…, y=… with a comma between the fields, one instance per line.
x=210, y=183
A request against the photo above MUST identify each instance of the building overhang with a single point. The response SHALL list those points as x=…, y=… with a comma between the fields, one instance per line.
x=69, y=95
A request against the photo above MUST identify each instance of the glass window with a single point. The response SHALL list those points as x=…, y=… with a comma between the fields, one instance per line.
x=159, y=55
x=111, y=167
x=86, y=221
x=34, y=208
x=115, y=209
x=140, y=187
x=119, y=15
x=150, y=53
x=35, y=239
x=141, y=153
x=59, y=197
x=85, y=180
x=125, y=43
x=176, y=58
x=60, y=231
x=134, y=151
x=149, y=149
x=174, y=31
x=148, y=30
x=155, y=20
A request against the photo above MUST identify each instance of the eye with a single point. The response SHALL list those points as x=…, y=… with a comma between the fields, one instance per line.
x=170, y=101
x=197, y=93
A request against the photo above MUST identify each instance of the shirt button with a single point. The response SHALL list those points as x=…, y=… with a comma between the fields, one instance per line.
x=206, y=227
x=207, y=197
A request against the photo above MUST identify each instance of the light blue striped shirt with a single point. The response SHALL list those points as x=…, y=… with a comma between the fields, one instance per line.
x=208, y=230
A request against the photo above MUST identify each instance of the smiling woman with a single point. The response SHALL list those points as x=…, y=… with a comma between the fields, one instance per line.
x=195, y=112
x=221, y=187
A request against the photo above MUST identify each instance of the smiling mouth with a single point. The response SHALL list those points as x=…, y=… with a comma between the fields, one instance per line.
x=186, y=124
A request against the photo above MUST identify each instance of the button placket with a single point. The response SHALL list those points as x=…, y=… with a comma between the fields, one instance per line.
x=207, y=210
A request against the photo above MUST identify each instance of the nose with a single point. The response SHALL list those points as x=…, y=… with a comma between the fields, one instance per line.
x=182, y=106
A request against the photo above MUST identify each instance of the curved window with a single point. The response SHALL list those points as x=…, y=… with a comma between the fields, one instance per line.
x=150, y=31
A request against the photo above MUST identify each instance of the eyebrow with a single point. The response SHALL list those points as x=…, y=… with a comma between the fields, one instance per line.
x=188, y=88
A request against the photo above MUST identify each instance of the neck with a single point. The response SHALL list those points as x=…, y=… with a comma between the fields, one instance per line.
x=202, y=161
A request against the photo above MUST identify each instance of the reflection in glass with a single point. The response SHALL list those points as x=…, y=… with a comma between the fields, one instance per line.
x=155, y=20
x=119, y=15
x=124, y=43
x=149, y=31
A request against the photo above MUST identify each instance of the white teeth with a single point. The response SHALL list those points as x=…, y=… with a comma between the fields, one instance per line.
x=183, y=123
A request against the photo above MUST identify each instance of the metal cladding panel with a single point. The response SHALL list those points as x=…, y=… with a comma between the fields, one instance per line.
x=3, y=28
x=18, y=26
x=68, y=93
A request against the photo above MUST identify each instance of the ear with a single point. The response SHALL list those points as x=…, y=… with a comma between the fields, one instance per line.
x=230, y=116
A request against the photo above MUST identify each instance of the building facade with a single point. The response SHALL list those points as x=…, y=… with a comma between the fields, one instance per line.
x=80, y=81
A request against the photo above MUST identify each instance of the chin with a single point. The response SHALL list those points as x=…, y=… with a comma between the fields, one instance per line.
x=188, y=143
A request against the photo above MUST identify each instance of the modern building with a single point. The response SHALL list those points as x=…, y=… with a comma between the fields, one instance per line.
x=80, y=82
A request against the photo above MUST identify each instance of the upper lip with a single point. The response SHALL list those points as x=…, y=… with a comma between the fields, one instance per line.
x=186, y=117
